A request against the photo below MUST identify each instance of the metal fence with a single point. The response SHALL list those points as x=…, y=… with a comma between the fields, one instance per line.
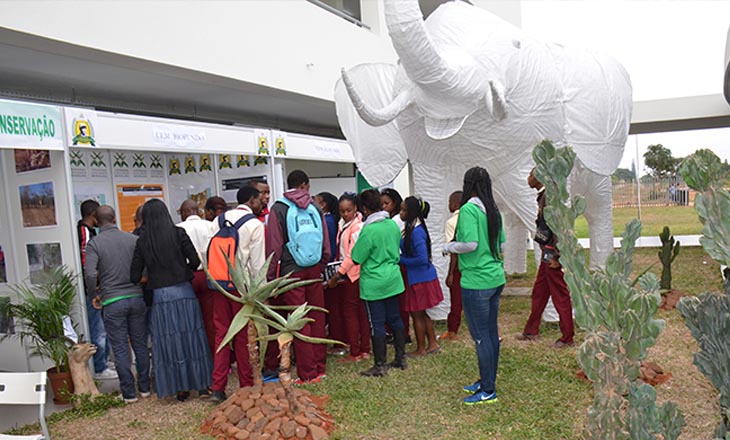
x=652, y=192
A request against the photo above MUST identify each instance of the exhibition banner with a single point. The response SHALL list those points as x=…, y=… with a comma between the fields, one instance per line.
x=30, y=125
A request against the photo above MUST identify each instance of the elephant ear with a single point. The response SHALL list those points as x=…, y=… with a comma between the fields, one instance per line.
x=379, y=151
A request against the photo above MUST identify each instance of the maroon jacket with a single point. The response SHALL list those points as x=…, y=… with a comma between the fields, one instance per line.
x=282, y=262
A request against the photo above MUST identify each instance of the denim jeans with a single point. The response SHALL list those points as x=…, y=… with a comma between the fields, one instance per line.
x=481, y=308
x=125, y=324
x=382, y=311
x=97, y=336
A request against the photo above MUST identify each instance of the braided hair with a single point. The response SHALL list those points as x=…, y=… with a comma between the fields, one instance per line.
x=416, y=209
x=477, y=182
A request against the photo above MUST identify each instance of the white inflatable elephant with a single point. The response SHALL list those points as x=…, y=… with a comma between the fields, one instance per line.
x=471, y=89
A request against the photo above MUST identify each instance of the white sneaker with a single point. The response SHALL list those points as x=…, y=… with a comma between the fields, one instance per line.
x=133, y=400
x=111, y=366
x=145, y=395
x=106, y=375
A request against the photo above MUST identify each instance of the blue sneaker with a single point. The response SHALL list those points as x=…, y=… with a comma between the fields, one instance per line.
x=271, y=378
x=473, y=388
x=480, y=397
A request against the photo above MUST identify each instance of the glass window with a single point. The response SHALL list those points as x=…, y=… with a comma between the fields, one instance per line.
x=344, y=8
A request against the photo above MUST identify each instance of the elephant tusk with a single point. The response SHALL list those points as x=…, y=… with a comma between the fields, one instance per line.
x=376, y=117
x=495, y=101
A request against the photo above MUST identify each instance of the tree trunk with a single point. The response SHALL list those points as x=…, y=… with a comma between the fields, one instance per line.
x=253, y=354
x=285, y=376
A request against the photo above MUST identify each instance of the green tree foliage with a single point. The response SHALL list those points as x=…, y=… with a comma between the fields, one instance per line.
x=659, y=159
x=616, y=312
x=707, y=315
x=623, y=175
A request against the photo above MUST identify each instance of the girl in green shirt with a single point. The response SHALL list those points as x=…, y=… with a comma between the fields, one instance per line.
x=377, y=251
x=479, y=235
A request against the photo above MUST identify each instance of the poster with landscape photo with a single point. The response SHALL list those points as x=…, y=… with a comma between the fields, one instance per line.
x=38, y=204
x=43, y=259
x=29, y=160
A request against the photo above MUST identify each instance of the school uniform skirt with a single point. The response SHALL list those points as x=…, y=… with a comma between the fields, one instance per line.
x=180, y=354
x=421, y=296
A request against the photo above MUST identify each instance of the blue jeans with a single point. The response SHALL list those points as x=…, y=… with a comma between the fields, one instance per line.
x=125, y=324
x=97, y=336
x=481, y=308
x=382, y=311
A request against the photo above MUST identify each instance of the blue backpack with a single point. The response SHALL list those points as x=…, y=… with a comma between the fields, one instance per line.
x=226, y=239
x=304, y=227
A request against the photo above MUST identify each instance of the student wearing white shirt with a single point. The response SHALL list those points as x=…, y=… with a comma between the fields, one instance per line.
x=199, y=231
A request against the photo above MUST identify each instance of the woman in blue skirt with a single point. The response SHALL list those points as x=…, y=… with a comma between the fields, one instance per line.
x=180, y=354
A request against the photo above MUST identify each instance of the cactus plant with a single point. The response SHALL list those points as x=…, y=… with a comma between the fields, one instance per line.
x=253, y=291
x=616, y=312
x=707, y=315
x=669, y=252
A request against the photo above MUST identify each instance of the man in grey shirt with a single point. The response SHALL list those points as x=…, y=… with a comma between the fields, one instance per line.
x=108, y=262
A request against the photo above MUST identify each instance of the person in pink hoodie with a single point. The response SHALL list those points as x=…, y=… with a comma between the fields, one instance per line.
x=357, y=326
x=311, y=359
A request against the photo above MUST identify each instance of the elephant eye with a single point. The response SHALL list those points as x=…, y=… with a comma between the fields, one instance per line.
x=517, y=44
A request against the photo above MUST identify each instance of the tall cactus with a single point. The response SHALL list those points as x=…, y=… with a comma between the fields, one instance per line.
x=708, y=316
x=667, y=255
x=618, y=317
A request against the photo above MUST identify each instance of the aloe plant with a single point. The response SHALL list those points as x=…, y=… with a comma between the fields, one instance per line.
x=287, y=329
x=707, y=315
x=616, y=312
x=39, y=315
x=254, y=291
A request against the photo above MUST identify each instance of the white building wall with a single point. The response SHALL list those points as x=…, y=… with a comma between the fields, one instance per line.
x=291, y=45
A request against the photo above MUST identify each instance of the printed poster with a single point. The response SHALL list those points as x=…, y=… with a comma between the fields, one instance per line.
x=130, y=196
x=38, y=204
x=195, y=181
x=43, y=259
x=31, y=160
x=89, y=165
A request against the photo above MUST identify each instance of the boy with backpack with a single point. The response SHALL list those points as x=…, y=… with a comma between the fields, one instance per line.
x=241, y=235
x=297, y=236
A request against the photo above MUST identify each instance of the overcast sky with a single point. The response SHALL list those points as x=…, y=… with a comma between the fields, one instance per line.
x=670, y=49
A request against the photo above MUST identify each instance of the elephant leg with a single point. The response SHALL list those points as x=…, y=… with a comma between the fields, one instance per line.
x=599, y=211
x=515, y=247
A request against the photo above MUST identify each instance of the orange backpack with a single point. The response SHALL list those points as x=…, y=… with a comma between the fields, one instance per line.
x=225, y=240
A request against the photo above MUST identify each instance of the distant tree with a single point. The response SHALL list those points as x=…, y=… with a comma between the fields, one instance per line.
x=623, y=175
x=659, y=159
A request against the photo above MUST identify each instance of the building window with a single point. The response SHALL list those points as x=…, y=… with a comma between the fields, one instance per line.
x=347, y=9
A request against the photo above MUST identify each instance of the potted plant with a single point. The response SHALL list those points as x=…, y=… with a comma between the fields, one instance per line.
x=39, y=316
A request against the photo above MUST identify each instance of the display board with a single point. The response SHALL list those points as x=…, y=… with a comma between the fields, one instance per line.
x=189, y=176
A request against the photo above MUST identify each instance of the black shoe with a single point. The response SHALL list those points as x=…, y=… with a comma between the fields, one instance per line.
x=375, y=371
x=204, y=393
x=183, y=396
x=217, y=397
x=389, y=338
x=400, y=349
x=408, y=339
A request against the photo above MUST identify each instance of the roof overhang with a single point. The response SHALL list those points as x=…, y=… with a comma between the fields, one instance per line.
x=678, y=114
x=38, y=68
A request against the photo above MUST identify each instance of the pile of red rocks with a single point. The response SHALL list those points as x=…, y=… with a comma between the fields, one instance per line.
x=649, y=372
x=262, y=413
x=670, y=299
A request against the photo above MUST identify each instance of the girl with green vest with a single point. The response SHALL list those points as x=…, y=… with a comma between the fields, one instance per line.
x=377, y=251
x=479, y=236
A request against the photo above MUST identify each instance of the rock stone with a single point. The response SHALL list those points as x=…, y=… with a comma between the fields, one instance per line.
x=252, y=412
x=303, y=420
x=246, y=404
x=317, y=432
x=242, y=435
x=301, y=432
x=232, y=431
x=288, y=429
x=258, y=425
x=273, y=426
x=313, y=418
x=234, y=414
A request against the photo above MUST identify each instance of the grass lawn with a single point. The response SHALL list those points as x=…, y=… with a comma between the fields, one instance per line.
x=539, y=396
x=682, y=220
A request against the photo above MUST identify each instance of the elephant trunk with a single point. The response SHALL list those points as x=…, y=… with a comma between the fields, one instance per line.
x=457, y=80
x=420, y=59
